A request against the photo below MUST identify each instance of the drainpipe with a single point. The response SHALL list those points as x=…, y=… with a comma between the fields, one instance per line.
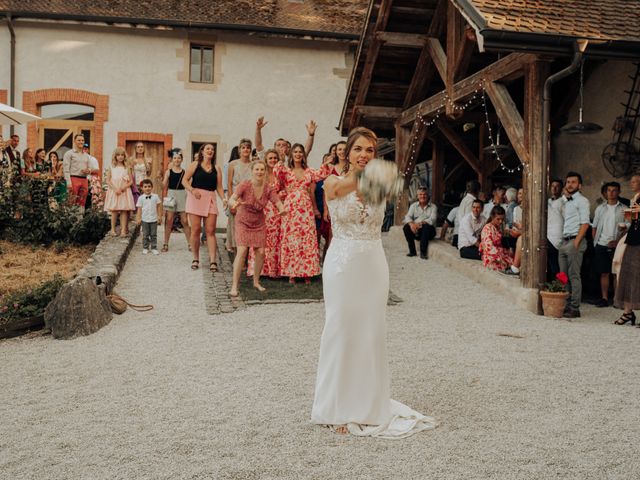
x=579, y=48
x=12, y=81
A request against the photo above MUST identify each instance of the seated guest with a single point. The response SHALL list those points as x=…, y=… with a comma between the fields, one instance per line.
x=494, y=255
x=420, y=224
x=449, y=222
x=469, y=233
x=606, y=233
x=512, y=202
x=496, y=200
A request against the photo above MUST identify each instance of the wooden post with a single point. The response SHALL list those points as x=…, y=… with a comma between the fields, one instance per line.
x=403, y=143
x=437, y=178
x=534, y=258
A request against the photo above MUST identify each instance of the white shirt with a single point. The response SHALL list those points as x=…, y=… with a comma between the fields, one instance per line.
x=417, y=214
x=463, y=209
x=605, y=221
x=149, y=207
x=517, y=215
x=470, y=229
x=93, y=164
x=555, y=221
x=451, y=219
x=486, y=211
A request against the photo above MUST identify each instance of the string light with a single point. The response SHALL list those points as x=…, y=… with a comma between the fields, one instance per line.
x=478, y=94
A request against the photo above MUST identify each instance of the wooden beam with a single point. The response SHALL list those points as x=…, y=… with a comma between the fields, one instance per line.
x=425, y=69
x=437, y=175
x=510, y=117
x=397, y=39
x=455, y=29
x=438, y=57
x=371, y=57
x=378, y=112
x=510, y=66
x=403, y=144
x=459, y=144
x=534, y=255
x=465, y=53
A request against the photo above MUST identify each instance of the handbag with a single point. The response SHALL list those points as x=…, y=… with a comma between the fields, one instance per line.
x=119, y=305
x=169, y=202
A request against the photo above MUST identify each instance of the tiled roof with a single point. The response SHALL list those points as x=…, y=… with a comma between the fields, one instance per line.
x=617, y=20
x=341, y=17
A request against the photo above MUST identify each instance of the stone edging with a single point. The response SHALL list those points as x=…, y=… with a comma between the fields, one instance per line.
x=109, y=258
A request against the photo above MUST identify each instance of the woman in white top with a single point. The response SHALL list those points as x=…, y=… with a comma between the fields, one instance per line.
x=141, y=164
x=352, y=385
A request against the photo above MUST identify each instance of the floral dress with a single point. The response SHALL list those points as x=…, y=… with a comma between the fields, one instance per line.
x=273, y=222
x=299, y=256
x=494, y=255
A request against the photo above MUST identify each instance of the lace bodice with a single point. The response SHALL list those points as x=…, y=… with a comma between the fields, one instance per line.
x=352, y=220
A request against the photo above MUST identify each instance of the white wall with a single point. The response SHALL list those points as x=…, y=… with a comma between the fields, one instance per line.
x=289, y=81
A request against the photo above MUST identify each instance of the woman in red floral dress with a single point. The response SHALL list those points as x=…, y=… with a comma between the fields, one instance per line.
x=494, y=255
x=273, y=221
x=299, y=256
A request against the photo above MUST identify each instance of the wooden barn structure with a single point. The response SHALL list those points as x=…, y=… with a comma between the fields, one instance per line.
x=425, y=67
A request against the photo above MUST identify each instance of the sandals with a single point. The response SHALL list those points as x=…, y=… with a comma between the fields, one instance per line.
x=165, y=248
x=195, y=264
x=625, y=318
x=213, y=267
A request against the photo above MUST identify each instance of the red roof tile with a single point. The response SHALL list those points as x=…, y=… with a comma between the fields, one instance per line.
x=617, y=20
x=341, y=17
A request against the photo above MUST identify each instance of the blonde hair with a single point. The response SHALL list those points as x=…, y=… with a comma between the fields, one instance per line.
x=119, y=151
x=258, y=161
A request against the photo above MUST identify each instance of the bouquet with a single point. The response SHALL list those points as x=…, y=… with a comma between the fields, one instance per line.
x=380, y=181
x=559, y=284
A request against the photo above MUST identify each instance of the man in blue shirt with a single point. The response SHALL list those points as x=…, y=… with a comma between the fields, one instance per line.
x=576, y=210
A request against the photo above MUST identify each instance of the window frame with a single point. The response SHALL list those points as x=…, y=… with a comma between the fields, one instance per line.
x=202, y=47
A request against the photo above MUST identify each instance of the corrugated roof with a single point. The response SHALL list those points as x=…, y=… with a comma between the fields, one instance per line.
x=341, y=17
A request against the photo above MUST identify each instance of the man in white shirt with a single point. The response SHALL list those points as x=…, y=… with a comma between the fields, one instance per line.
x=576, y=212
x=555, y=224
x=608, y=218
x=473, y=188
x=420, y=224
x=470, y=230
x=496, y=201
x=449, y=222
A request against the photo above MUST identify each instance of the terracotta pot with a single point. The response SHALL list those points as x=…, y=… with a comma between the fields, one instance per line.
x=553, y=303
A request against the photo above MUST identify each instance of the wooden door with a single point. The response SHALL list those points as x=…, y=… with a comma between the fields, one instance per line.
x=154, y=151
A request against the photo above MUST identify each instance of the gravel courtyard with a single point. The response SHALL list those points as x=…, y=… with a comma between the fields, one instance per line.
x=179, y=394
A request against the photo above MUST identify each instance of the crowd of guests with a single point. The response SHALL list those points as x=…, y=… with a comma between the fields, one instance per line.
x=75, y=178
x=277, y=214
x=492, y=232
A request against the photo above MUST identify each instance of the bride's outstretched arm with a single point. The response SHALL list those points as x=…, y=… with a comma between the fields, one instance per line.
x=335, y=187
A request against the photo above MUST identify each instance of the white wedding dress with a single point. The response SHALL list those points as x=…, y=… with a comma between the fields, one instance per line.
x=352, y=385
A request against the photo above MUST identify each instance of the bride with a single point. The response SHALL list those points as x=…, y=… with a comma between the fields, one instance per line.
x=352, y=385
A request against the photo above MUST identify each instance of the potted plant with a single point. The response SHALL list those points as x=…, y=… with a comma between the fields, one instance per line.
x=554, y=296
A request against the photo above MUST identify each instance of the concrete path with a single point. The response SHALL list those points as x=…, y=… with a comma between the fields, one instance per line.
x=180, y=394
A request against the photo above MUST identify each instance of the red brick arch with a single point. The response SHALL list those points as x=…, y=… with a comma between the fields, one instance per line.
x=32, y=101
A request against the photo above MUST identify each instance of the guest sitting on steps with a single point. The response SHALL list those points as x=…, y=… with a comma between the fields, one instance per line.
x=469, y=233
x=420, y=224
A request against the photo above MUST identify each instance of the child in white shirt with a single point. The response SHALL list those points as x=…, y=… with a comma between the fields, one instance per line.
x=150, y=216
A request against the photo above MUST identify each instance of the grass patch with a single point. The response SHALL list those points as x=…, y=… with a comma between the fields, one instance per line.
x=280, y=289
x=24, y=266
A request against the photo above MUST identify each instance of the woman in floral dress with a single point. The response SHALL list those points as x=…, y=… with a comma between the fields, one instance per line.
x=494, y=255
x=273, y=222
x=299, y=256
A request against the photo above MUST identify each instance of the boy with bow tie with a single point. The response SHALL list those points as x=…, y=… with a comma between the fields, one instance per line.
x=150, y=216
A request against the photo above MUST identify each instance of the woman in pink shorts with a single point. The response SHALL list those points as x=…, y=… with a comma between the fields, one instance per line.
x=202, y=179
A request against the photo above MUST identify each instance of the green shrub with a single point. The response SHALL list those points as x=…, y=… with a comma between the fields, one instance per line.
x=28, y=214
x=30, y=302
